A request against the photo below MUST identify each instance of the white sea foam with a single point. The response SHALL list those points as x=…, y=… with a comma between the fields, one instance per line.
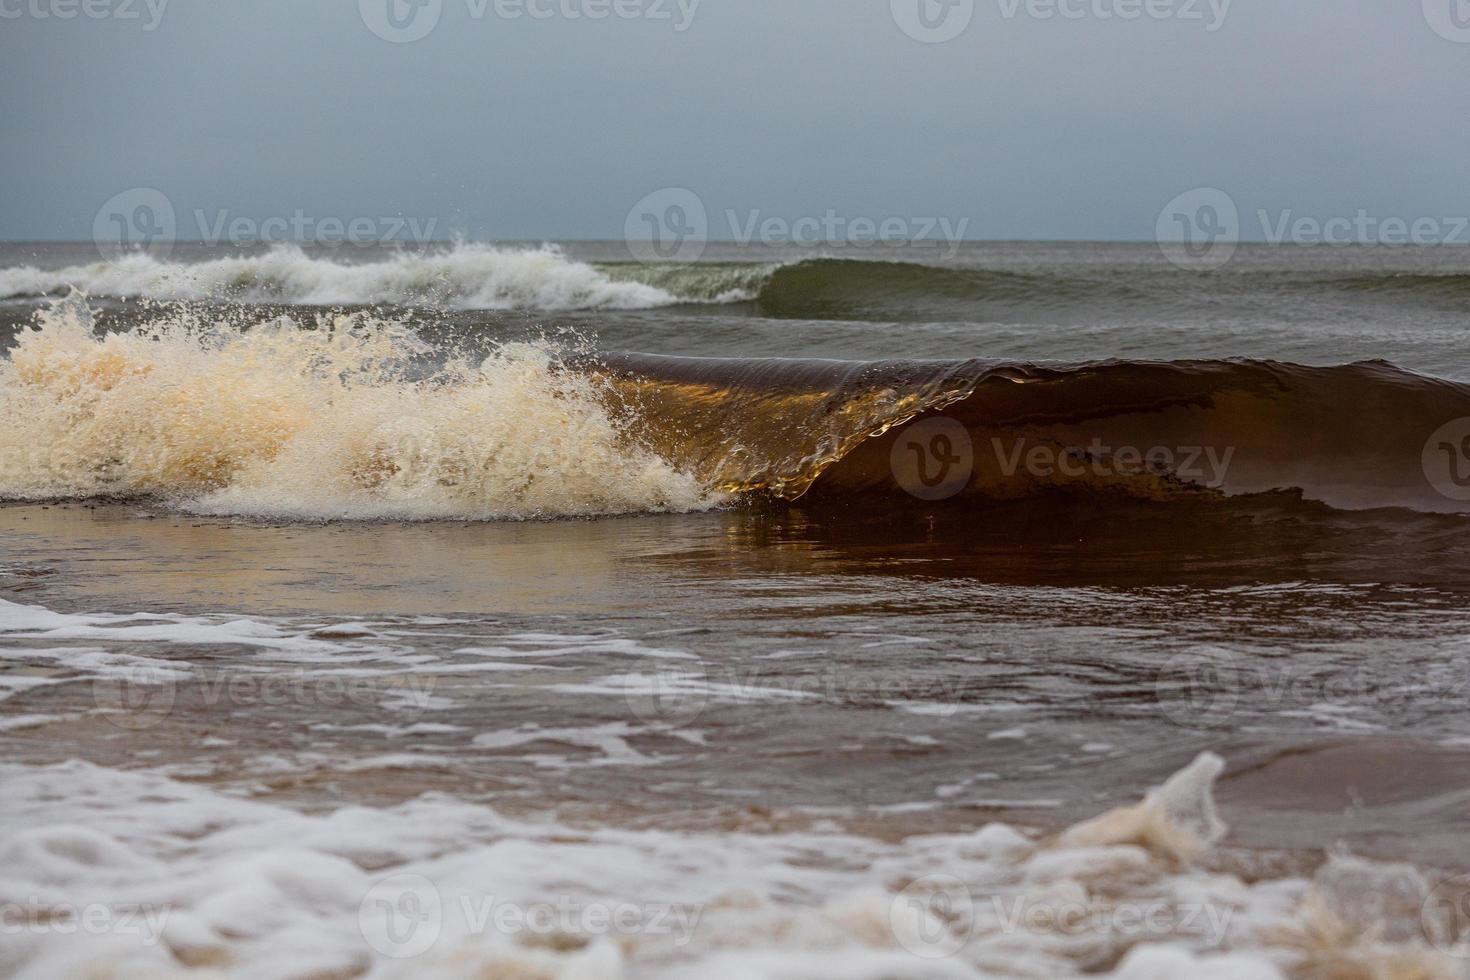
x=469, y=276
x=128, y=654
x=315, y=422
x=179, y=880
x=20, y=621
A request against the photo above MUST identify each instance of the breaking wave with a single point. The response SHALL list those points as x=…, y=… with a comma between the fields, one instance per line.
x=466, y=276
x=353, y=416
x=333, y=421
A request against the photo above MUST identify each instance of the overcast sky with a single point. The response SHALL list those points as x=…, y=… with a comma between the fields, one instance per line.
x=552, y=127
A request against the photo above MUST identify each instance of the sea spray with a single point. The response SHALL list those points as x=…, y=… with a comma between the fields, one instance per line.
x=320, y=421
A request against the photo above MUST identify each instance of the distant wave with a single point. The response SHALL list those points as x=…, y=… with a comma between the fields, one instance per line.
x=1444, y=286
x=866, y=289
x=861, y=289
x=465, y=276
x=477, y=276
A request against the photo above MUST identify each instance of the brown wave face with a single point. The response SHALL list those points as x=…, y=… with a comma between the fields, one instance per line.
x=1358, y=436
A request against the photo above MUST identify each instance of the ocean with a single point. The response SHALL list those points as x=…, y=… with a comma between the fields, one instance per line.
x=524, y=611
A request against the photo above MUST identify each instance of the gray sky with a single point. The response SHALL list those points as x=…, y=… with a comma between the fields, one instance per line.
x=542, y=128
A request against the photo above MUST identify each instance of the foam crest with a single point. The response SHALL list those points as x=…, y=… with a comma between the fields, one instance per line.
x=469, y=276
x=315, y=422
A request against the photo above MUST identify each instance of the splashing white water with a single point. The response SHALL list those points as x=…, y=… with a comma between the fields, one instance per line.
x=468, y=276
x=133, y=874
x=281, y=420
